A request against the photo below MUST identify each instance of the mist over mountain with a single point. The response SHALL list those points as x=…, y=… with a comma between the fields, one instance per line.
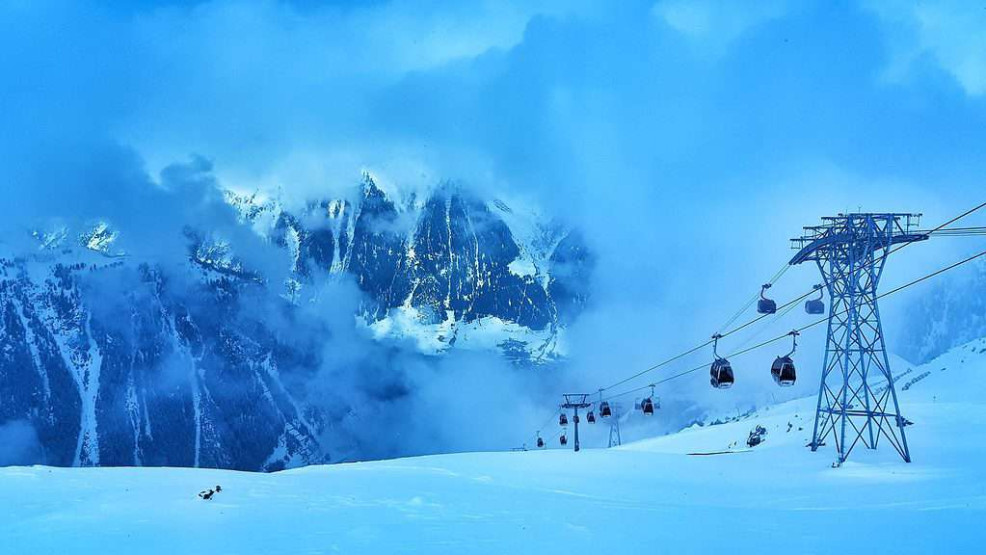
x=949, y=314
x=278, y=337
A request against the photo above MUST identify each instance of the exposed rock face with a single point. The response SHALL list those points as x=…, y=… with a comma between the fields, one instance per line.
x=448, y=268
x=143, y=377
x=122, y=362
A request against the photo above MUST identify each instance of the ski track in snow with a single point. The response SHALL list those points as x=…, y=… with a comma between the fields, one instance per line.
x=648, y=496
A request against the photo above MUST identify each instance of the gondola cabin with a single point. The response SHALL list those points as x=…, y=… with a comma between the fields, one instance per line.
x=783, y=371
x=721, y=374
x=604, y=409
x=765, y=305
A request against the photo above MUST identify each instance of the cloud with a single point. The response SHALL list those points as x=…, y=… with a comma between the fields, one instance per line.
x=320, y=66
x=714, y=24
x=20, y=444
x=949, y=33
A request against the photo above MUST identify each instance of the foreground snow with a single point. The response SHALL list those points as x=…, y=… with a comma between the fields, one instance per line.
x=647, y=497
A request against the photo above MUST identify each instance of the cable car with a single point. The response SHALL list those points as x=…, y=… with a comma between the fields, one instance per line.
x=563, y=420
x=576, y=419
x=540, y=441
x=604, y=409
x=563, y=440
x=782, y=370
x=816, y=306
x=765, y=305
x=720, y=373
x=647, y=405
x=591, y=418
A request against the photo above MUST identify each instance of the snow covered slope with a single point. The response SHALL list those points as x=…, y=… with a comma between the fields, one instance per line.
x=142, y=373
x=650, y=496
x=952, y=312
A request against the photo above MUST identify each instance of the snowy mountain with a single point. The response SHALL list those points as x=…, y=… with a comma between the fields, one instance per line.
x=208, y=357
x=154, y=375
x=661, y=494
x=447, y=270
x=952, y=313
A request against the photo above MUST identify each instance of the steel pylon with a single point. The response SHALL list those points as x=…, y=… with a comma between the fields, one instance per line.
x=615, y=439
x=576, y=401
x=857, y=399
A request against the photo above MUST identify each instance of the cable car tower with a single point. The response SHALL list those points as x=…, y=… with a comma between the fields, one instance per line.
x=851, y=251
x=576, y=401
x=615, y=438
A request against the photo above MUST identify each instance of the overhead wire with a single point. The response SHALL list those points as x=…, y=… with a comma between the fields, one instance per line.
x=803, y=328
x=709, y=342
x=790, y=303
x=959, y=232
x=777, y=317
x=940, y=230
x=538, y=432
x=774, y=279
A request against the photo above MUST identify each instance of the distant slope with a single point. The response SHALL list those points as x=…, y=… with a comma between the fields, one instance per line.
x=952, y=313
x=947, y=379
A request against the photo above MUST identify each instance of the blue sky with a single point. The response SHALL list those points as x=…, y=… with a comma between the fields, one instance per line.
x=689, y=139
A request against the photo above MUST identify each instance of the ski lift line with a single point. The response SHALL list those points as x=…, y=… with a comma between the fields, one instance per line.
x=753, y=298
x=785, y=310
x=793, y=302
x=959, y=235
x=790, y=303
x=656, y=366
x=934, y=230
x=969, y=229
x=744, y=308
x=803, y=328
x=542, y=427
x=941, y=228
x=880, y=296
x=787, y=307
x=959, y=217
x=706, y=364
x=933, y=274
x=538, y=432
x=966, y=232
x=777, y=276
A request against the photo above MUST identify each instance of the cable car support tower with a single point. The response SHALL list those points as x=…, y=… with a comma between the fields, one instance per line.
x=851, y=251
x=576, y=401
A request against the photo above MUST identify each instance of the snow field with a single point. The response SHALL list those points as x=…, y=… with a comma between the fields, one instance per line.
x=649, y=496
